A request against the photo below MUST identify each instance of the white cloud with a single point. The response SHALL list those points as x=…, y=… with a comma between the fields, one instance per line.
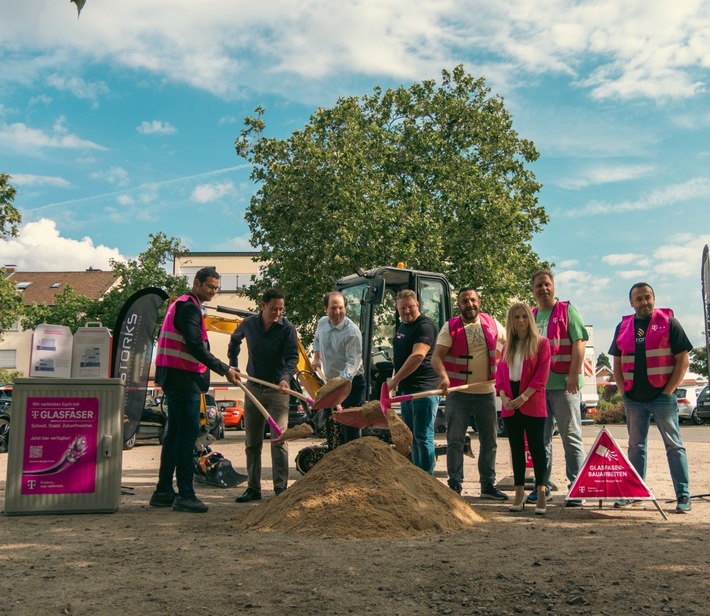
x=594, y=175
x=695, y=188
x=206, y=193
x=78, y=87
x=156, y=127
x=41, y=99
x=125, y=200
x=239, y=243
x=113, y=175
x=632, y=49
x=680, y=256
x=26, y=179
x=19, y=137
x=568, y=263
x=228, y=119
x=636, y=274
x=623, y=259
x=41, y=248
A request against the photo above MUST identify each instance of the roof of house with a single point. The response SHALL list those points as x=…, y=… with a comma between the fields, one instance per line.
x=43, y=287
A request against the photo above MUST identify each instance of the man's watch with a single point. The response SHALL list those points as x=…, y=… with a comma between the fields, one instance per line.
x=524, y=397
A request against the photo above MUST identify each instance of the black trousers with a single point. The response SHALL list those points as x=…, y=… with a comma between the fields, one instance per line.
x=519, y=426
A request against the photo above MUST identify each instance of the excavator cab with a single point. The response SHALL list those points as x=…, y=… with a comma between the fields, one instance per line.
x=372, y=297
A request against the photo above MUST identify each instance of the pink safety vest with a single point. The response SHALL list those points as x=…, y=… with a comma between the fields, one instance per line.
x=456, y=362
x=659, y=357
x=172, y=351
x=558, y=335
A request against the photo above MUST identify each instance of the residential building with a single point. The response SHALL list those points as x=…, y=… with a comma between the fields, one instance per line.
x=42, y=288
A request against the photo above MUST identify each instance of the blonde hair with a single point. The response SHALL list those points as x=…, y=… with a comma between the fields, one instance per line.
x=527, y=347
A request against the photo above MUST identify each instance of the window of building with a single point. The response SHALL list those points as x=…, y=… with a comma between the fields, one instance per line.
x=8, y=359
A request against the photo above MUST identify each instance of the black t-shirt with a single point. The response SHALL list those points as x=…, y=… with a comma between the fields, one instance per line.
x=642, y=390
x=423, y=331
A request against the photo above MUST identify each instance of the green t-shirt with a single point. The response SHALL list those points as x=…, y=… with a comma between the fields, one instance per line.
x=577, y=331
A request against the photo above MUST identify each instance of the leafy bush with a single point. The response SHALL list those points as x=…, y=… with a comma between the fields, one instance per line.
x=611, y=406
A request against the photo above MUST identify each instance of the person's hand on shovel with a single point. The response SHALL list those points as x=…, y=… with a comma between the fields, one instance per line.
x=284, y=387
x=233, y=375
x=444, y=385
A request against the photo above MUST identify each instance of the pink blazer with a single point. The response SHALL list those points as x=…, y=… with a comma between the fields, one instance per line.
x=534, y=374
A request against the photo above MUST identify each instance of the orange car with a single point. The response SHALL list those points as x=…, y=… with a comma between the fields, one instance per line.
x=233, y=413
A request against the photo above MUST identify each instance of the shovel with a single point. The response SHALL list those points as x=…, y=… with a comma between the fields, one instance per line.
x=300, y=431
x=331, y=397
x=276, y=432
x=386, y=400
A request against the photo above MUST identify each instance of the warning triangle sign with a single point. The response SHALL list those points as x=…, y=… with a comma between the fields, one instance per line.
x=608, y=474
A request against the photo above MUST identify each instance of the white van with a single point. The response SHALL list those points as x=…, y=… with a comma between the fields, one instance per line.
x=590, y=396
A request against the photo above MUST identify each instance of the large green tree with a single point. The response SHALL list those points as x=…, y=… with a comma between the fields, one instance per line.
x=434, y=176
x=11, y=302
x=10, y=219
x=147, y=270
x=699, y=361
x=603, y=361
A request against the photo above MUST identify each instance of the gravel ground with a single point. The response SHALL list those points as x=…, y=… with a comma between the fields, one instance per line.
x=155, y=561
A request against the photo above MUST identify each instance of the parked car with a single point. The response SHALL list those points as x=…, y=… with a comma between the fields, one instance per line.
x=703, y=403
x=153, y=423
x=296, y=412
x=5, y=396
x=687, y=404
x=215, y=419
x=233, y=413
x=5, y=404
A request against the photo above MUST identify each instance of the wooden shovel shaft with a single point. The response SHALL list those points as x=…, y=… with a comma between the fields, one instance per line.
x=295, y=394
x=426, y=394
x=276, y=432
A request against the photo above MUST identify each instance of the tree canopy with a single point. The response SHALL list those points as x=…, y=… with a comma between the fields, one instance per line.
x=603, y=360
x=11, y=302
x=10, y=218
x=433, y=176
x=699, y=361
x=147, y=270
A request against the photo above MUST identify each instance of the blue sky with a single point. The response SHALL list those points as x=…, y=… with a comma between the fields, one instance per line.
x=122, y=123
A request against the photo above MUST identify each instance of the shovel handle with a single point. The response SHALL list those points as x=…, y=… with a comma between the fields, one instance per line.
x=276, y=432
x=295, y=394
x=424, y=394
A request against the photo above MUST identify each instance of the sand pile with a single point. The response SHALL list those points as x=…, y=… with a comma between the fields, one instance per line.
x=364, y=489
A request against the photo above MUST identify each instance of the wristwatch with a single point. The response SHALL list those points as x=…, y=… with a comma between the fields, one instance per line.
x=524, y=397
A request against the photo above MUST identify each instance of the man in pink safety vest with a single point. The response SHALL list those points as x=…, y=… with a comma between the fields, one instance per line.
x=466, y=353
x=183, y=363
x=650, y=351
x=564, y=327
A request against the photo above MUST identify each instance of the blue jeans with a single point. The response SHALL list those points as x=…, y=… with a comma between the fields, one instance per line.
x=177, y=454
x=460, y=408
x=356, y=397
x=419, y=415
x=664, y=410
x=563, y=409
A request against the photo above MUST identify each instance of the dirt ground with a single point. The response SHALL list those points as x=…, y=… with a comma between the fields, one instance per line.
x=156, y=561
